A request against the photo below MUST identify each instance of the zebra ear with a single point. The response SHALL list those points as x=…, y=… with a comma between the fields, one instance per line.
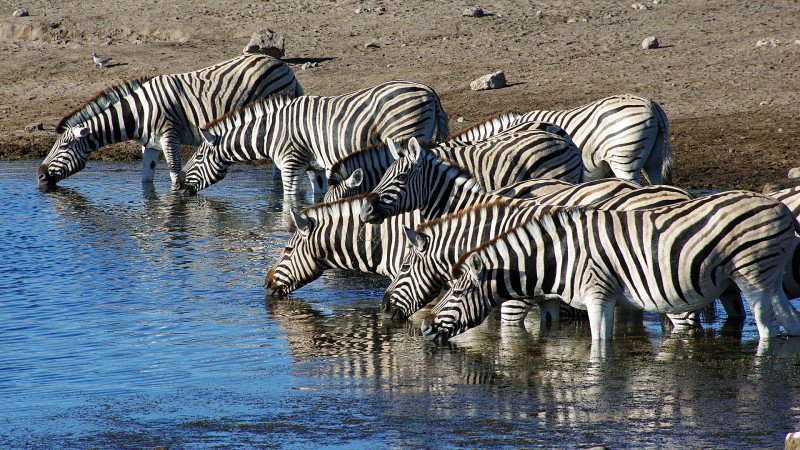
x=303, y=224
x=418, y=240
x=355, y=179
x=393, y=149
x=208, y=136
x=414, y=149
x=475, y=264
x=79, y=132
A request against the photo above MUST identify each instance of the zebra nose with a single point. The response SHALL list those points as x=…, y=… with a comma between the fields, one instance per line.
x=369, y=212
x=44, y=175
x=386, y=306
x=184, y=187
x=428, y=329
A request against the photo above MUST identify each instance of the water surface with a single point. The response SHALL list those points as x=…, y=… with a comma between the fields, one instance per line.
x=133, y=317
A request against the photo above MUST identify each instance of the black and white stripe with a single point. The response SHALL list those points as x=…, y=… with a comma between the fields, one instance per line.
x=331, y=235
x=310, y=133
x=162, y=113
x=672, y=259
x=619, y=136
x=436, y=245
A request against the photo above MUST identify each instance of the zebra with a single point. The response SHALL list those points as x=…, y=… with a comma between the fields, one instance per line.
x=422, y=180
x=162, y=112
x=671, y=259
x=521, y=153
x=331, y=235
x=310, y=133
x=435, y=246
x=620, y=135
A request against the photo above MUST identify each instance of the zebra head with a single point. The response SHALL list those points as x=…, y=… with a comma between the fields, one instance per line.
x=416, y=284
x=68, y=155
x=339, y=189
x=297, y=265
x=400, y=188
x=205, y=167
x=465, y=305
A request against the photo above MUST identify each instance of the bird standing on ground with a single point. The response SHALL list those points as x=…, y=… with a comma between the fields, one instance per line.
x=100, y=61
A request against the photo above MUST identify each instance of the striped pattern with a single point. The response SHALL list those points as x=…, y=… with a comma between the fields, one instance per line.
x=672, y=259
x=619, y=136
x=436, y=245
x=331, y=235
x=162, y=113
x=310, y=133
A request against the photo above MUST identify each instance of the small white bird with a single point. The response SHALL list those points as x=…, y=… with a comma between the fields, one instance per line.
x=100, y=61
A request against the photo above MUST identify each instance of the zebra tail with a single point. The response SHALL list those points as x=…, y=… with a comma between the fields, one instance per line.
x=442, y=124
x=662, y=139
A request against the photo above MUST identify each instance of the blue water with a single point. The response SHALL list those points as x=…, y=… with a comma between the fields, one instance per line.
x=135, y=318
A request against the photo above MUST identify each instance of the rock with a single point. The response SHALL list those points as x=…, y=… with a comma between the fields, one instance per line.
x=361, y=10
x=460, y=119
x=22, y=12
x=640, y=6
x=371, y=45
x=472, y=12
x=495, y=80
x=650, y=42
x=767, y=42
x=267, y=42
x=794, y=173
x=308, y=65
x=772, y=187
x=792, y=441
x=34, y=127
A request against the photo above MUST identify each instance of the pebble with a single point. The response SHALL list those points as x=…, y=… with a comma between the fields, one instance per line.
x=650, y=42
x=640, y=6
x=371, y=45
x=767, y=42
x=495, y=80
x=22, y=12
x=34, y=127
x=794, y=173
x=308, y=65
x=460, y=119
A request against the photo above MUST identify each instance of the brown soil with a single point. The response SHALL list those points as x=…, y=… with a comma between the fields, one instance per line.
x=733, y=104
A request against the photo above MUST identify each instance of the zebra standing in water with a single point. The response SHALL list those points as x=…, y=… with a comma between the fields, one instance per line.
x=672, y=259
x=310, y=133
x=435, y=246
x=331, y=235
x=618, y=136
x=162, y=112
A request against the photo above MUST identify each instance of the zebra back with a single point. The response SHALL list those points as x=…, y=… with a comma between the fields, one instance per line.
x=618, y=136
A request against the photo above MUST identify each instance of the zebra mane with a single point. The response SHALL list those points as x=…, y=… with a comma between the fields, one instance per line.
x=257, y=108
x=327, y=207
x=498, y=117
x=547, y=220
x=421, y=228
x=100, y=102
x=337, y=176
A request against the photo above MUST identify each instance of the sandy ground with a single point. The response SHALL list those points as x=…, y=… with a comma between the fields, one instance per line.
x=726, y=72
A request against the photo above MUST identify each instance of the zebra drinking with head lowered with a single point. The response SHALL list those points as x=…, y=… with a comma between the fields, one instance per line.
x=435, y=246
x=672, y=259
x=162, y=112
x=309, y=133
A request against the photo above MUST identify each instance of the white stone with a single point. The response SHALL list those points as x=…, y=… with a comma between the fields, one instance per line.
x=650, y=42
x=266, y=42
x=794, y=172
x=495, y=80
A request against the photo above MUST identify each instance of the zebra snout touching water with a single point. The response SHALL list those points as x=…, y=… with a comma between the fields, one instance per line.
x=162, y=113
x=672, y=259
x=308, y=134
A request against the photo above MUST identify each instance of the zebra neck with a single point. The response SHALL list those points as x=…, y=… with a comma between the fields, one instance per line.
x=117, y=123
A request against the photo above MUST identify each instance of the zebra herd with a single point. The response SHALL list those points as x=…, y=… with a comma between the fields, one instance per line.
x=544, y=209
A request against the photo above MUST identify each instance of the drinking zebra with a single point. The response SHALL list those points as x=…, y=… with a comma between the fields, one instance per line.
x=331, y=235
x=436, y=186
x=619, y=136
x=672, y=259
x=310, y=133
x=162, y=112
x=435, y=246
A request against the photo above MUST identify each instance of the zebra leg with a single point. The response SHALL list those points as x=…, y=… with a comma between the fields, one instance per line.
x=171, y=145
x=761, y=308
x=785, y=312
x=319, y=183
x=514, y=311
x=685, y=321
x=731, y=300
x=149, y=158
x=601, y=317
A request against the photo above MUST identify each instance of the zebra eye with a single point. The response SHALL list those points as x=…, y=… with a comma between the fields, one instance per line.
x=288, y=250
x=405, y=267
x=402, y=177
